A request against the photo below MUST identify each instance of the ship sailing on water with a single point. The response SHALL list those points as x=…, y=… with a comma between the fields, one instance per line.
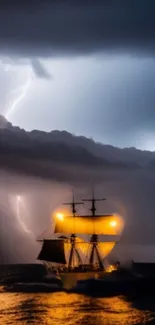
x=77, y=252
x=81, y=243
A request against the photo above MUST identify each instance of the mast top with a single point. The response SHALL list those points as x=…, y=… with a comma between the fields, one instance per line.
x=93, y=200
x=73, y=205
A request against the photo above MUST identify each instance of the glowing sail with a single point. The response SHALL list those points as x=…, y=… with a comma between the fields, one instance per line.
x=82, y=242
x=84, y=250
x=100, y=225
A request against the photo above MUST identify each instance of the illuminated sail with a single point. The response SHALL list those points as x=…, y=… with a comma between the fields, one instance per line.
x=84, y=249
x=103, y=248
x=100, y=238
x=82, y=240
x=80, y=245
x=100, y=224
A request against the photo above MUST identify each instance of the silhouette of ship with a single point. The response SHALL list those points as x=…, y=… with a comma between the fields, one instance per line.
x=80, y=244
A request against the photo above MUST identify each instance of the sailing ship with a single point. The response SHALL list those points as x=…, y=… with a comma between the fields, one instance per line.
x=80, y=244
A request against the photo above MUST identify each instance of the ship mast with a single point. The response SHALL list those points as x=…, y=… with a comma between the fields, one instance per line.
x=94, y=236
x=74, y=251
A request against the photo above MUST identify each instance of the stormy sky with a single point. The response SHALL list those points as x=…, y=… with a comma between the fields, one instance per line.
x=87, y=67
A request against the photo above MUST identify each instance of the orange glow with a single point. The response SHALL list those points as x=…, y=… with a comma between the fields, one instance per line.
x=84, y=250
x=60, y=216
x=113, y=223
x=111, y=268
x=103, y=225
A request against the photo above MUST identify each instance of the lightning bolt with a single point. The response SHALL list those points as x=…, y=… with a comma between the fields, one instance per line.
x=20, y=92
x=19, y=205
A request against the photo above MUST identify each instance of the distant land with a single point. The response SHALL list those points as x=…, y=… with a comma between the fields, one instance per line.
x=23, y=151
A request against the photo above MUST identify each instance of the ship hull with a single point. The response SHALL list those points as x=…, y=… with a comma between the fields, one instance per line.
x=70, y=279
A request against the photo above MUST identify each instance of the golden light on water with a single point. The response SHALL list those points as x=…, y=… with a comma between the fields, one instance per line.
x=70, y=309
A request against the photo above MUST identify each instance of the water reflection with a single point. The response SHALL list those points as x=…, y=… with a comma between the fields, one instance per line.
x=73, y=309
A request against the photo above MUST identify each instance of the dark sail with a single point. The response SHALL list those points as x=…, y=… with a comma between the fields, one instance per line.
x=52, y=251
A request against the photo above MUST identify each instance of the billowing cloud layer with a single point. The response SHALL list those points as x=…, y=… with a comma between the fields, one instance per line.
x=77, y=26
x=43, y=168
x=11, y=63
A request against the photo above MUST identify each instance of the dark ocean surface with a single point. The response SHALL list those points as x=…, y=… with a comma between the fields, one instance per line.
x=61, y=308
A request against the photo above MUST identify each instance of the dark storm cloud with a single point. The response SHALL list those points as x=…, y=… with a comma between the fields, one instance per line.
x=37, y=66
x=26, y=154
x=77, y=26
x=39, y=69
x=53, y=155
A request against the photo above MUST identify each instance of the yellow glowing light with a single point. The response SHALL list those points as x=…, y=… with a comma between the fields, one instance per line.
x=111, y=268
x=113, y=223
x=107, y=225
x=60, y=216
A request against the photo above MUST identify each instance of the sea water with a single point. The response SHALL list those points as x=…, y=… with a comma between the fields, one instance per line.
x=62, y=308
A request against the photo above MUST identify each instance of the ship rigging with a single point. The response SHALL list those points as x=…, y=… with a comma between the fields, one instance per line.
x=81, y=243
